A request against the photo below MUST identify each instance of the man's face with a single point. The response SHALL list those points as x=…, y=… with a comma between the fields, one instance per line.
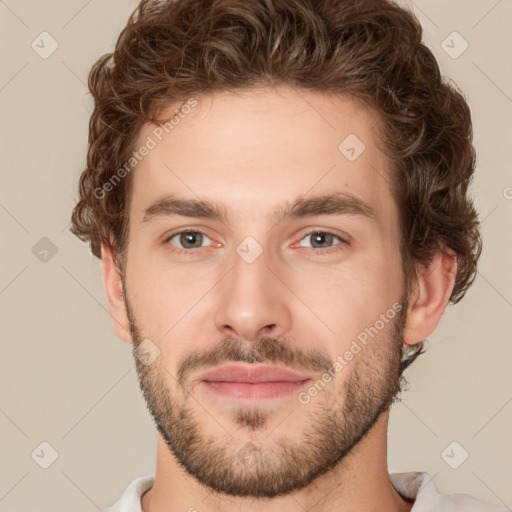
x=254, y=290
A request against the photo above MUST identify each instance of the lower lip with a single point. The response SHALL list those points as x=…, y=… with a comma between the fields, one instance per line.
x=251, y=391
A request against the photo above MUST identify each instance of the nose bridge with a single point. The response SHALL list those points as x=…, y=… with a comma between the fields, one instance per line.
x=253, y=299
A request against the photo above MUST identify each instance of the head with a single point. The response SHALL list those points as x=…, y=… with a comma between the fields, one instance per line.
x=258, y=111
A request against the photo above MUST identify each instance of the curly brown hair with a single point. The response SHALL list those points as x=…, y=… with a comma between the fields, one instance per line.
x=370, y=49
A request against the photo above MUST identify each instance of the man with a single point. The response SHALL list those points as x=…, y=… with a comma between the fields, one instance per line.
x=278, y=194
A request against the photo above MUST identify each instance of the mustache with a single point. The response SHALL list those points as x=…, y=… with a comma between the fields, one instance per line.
x=265, y=350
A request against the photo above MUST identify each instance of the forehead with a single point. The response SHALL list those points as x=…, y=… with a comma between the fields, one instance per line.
x=254, y=150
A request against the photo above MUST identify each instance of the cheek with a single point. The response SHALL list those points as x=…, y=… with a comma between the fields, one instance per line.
x=170, y=304
x=343, y=300
x=351, y=297
x=153, y=301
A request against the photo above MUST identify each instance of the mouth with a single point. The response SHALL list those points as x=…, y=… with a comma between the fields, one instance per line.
x=253, y=382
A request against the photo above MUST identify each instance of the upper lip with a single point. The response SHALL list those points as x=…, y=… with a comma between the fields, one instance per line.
x=252, y=373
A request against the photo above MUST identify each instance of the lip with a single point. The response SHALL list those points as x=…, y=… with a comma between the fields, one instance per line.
x=253, y=382
x=252, y=374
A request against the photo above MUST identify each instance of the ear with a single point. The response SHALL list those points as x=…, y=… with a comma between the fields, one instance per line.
x=430, y=297
x=114, y=291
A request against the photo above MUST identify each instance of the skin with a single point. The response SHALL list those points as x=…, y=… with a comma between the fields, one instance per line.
x=253, y=152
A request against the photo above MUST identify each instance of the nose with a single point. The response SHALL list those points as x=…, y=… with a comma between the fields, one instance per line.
x=253, y=300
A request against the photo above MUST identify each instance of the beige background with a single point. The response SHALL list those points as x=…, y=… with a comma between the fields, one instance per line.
x=65, y=378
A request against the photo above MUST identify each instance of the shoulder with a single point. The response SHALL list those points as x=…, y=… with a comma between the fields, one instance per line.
x=420, y=487
x=130, y=499
x=465, y=503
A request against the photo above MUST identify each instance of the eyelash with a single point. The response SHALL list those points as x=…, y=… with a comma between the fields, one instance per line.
x=312, y=232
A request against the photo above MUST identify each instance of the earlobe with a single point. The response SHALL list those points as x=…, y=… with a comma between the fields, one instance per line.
x=430, y=297
x=114, y=292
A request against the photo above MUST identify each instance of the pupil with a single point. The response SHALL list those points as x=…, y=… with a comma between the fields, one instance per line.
x=319, y=236
x=189, y=238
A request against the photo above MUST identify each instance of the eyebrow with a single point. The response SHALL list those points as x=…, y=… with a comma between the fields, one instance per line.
x=340, y=203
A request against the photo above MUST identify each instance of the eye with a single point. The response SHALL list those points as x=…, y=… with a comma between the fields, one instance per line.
x=191, y=240
x=323, y=240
